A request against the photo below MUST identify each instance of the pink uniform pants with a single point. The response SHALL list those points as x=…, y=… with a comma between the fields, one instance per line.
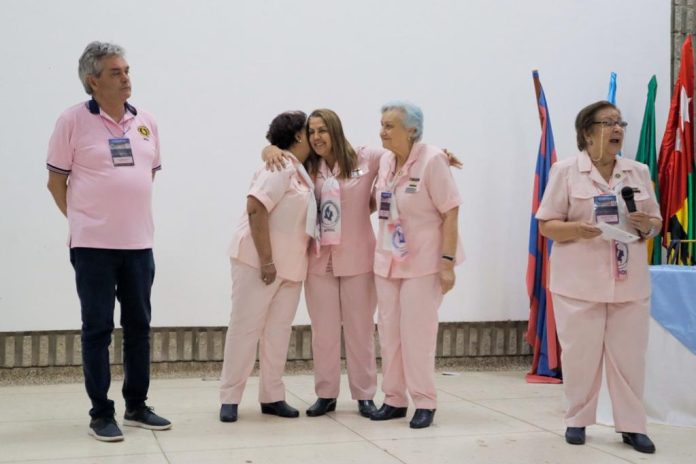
x=261, y=314
x=350, y=302
x=408, y=323
x=590, y=334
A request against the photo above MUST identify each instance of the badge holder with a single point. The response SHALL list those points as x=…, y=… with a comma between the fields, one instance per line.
x=121, y=152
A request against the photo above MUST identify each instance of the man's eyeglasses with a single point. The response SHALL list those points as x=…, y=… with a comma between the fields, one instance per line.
x=609, y=123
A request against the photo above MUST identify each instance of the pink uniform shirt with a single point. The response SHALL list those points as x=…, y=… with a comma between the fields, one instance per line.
x=284, y=194
x=108, y=207
x=424, y=191
x=582, y=269
x=355, y=254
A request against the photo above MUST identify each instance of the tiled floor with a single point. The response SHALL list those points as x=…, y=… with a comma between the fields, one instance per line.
x=483, y=417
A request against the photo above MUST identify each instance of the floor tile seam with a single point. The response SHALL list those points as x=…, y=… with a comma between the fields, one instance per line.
x=347, y=427
x=510, y=416
x=370, y=441
x=79, y=387
x=607, y=452
x=461, y=435
x=159, y=444
x=459, y=396
x=264, y=446
x=551, y=431
x=72, y=458
x=366, y=439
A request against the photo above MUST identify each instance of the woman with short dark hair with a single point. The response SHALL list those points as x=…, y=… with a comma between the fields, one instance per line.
x=268, y=257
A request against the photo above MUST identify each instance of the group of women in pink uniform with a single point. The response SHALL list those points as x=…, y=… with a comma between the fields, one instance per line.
x=600, y=288
x=347, y=271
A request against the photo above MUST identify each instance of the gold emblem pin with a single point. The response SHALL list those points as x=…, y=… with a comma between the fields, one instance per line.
x=144, y=131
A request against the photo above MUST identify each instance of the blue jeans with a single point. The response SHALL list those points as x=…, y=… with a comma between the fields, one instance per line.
x=102, y=276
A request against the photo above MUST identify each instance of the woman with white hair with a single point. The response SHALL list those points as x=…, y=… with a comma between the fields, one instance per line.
x=417, y=249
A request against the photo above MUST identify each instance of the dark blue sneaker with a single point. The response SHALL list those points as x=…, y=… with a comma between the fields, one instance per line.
x=145, y=418
x=105, y=429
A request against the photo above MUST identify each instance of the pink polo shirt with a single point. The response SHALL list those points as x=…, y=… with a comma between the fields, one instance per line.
x=108, y=206
x=284, y=194
x=582, y=269
x=420, y=211
x=355, y=254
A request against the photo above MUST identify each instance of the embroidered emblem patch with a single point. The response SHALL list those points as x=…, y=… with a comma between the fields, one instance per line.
x=144, y=131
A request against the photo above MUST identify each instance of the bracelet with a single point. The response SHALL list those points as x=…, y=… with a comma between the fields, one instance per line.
x=267, y=264
x=448, y=258
x=649, y=232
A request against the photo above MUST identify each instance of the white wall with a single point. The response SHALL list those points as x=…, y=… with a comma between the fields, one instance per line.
x=214, y=73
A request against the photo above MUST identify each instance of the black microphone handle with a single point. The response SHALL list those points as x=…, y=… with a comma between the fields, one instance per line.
x=627, y=194
x=631, y=205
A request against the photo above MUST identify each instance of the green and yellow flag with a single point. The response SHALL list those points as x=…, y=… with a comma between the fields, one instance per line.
x=647, y=154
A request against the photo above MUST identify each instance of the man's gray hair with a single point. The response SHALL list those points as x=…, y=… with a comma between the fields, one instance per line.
x=90, y=61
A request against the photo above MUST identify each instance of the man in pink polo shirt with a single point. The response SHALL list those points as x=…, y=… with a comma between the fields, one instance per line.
x=102, y=159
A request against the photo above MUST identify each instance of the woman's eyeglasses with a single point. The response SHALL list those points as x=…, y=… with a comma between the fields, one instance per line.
x=609, y=123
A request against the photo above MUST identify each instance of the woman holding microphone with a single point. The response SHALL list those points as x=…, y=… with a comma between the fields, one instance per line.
x=601, y=288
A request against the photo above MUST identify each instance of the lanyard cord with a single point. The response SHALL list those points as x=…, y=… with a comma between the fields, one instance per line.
x=119, y=126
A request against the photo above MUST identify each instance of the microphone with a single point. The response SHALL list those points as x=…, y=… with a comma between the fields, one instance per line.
x=627, y=194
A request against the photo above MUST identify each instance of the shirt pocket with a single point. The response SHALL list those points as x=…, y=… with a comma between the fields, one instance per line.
x=581, y=199
x=357, y=177
x=643, y=200
x=641, y=196
x=297, y=184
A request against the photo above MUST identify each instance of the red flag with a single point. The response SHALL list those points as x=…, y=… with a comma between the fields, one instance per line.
x=676, y=160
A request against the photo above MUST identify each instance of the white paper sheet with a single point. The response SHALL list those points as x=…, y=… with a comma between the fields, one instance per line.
x=610, y=232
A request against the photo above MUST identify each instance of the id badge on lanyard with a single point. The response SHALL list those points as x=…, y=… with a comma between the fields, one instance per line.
x=385, y=199
x=121, y=152
x=606, y=208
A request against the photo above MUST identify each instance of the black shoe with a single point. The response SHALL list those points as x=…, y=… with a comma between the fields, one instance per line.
x=366, y=408
x=422, y=418
x=228, y=413
x=575, y=435
x=279, y=408
x=387, y=412
x=105, y=429
x=639, y=441
x=145, y=418
x=321, y=406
